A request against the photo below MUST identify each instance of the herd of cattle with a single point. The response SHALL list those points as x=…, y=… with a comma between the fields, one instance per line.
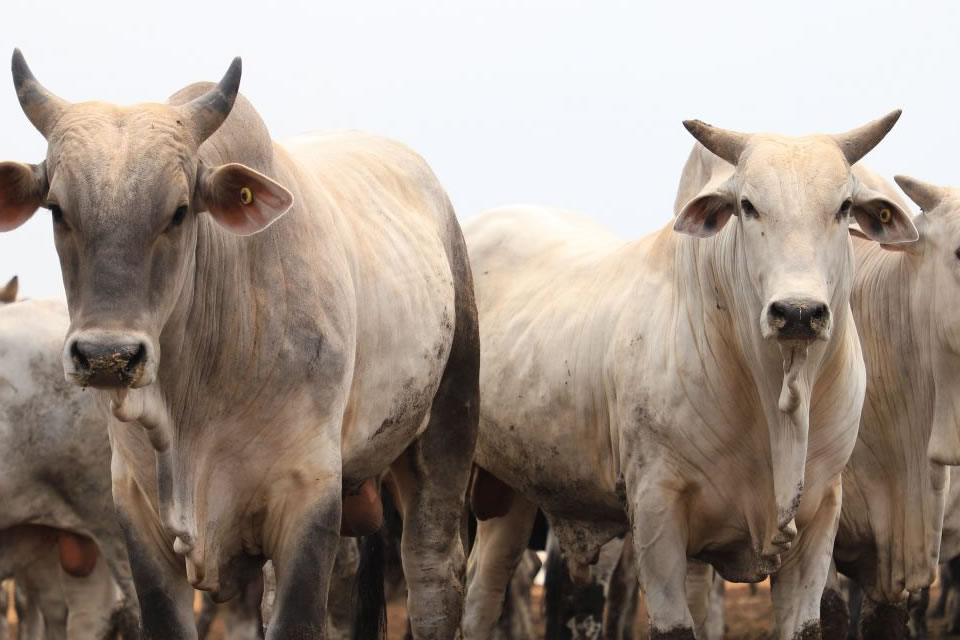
x=264, y=344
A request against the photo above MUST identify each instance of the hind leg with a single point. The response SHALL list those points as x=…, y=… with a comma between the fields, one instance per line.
x=432, y=486
x=431, y=479
x=497, y=551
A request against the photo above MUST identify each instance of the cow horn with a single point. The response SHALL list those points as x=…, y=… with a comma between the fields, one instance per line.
x=857, y=143
x=9, y=292
x=206, y=113
x=41, y=107
x=721, y=142
x=926, y=195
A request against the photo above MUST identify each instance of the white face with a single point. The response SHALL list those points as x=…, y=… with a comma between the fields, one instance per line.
x=793, y=199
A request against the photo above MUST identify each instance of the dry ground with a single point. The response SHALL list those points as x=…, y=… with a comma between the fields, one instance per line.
x=748, y=617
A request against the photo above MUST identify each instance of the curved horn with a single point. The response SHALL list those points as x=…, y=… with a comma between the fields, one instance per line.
x=206, y=113
x=41, y=107
x=857, y=143
x=726, y=144
x=926, y=195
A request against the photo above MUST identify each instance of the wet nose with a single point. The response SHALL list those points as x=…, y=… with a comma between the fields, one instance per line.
x=107, y=364
x=798, y=318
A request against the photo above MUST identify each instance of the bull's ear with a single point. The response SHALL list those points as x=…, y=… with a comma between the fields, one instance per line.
x=241, y=200
x=706, y=214
x=908, y=247
x=22, y=190
x=881, y=219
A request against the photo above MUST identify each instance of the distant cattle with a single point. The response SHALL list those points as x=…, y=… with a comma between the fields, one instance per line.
x=702, y=392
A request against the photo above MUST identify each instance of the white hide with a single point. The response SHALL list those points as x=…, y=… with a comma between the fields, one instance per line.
x=640, y=383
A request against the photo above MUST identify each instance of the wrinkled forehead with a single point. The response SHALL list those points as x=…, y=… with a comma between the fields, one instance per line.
x=97, y=148
x=811, y=167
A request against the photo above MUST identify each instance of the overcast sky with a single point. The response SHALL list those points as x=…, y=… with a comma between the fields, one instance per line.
x=573, y=104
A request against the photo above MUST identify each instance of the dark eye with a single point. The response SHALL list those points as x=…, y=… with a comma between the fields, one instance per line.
x=748, y=209
x=844, y=209
x=957, y=253
x=178, y=217
x=57, y=216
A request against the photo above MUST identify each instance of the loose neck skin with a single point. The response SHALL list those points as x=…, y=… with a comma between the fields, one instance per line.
x=716, y=296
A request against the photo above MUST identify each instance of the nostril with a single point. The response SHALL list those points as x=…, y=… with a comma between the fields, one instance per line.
x=819, y=312
x=79, y=360
x=778, y=314
x=139, y=357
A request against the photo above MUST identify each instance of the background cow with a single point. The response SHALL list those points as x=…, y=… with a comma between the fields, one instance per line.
x=58, y=534
x=268, y=327
x=703, y=392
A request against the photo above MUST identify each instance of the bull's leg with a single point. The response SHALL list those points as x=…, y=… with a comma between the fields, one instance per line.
x=883, y=621
x=432, y=478
x=834, y=618
x=799, y=583
x=90, y=601
x=699, y=591
x=660, y=545
x=46, y=607
x=4, y=607
x=574, y=609
x=917, y=605
x=954, y=587
x=622, y=596
x=716, y=619
x=165, y=595
x=303, y=566
x=940, y=609
x=496, y=552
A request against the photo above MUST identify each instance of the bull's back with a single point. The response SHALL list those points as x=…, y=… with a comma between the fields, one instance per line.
x=546, y=324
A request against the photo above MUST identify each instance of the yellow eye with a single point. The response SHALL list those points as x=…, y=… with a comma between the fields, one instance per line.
x=885, y=215
x=246, y=197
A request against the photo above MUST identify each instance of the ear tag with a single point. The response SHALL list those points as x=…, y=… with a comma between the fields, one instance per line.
x=246, y=197
x=885, y=215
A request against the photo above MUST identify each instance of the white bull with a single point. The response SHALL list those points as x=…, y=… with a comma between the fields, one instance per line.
x=895, y=481
x=703, y=391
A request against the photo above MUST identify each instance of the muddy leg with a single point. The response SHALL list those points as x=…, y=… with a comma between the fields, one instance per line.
x=165, y=596
x=883, y=621
x=497, y=551
x=303, y=567
x=917, y=606
x=834, y=618
x=574, y=611
x=801, y=579
x=620, y=615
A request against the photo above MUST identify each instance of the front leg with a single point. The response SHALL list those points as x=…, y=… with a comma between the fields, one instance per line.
x=660, y=544
x=165, y=595
x=798, y=585
x=303, y=564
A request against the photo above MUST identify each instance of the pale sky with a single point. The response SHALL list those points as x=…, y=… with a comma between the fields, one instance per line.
x=572, y=104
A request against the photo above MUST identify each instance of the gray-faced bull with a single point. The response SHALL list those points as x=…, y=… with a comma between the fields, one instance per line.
x=269, y=327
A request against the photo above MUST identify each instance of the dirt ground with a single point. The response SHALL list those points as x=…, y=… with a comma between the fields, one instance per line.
x=748, y=617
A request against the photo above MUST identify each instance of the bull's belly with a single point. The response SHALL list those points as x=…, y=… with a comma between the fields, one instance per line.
x=561, y=477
